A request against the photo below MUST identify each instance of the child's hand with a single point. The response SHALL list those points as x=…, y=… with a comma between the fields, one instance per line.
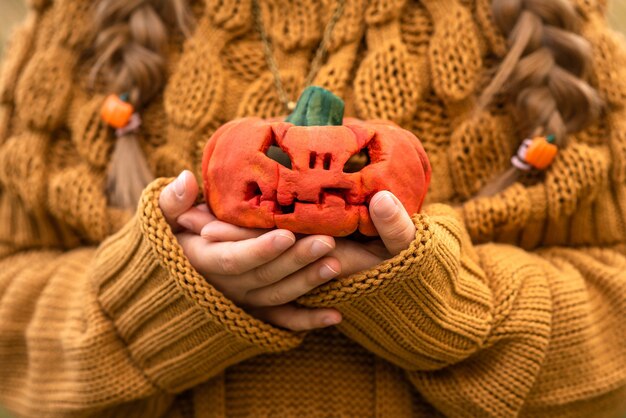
x=396, y=230
x=244, y=264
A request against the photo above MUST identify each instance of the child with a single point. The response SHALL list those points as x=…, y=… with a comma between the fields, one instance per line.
x=503, y=297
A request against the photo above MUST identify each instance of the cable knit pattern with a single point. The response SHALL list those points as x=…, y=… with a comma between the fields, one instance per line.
x=84, y=209
x=17, y=54
x=23, y=167
x=502, y=306
x=609, y=68
x=91, y=135
x=478, y=147
x=455, y=55
x=46, y=84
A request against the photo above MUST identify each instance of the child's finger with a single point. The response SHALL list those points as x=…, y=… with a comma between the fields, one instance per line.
x=306, y=251
x=195, y=219
x=292, y=287
x=392, y=222
x=234, y=258
x=219, y=231
x=178, y=197
x=355, y=257
x=298, y=319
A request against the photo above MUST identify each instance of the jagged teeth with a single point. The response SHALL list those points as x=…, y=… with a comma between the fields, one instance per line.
x=333, y=200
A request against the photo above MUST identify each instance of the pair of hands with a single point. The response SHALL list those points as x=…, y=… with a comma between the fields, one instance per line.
x=264, y=272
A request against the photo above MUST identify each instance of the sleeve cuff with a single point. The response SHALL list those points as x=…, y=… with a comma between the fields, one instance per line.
x=178, y=328
x=424, y=309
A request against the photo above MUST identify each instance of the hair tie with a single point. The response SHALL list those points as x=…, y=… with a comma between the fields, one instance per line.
x=538, y=153
x=133, y=124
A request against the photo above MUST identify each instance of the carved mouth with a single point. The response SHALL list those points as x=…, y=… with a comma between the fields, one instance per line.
x=336, y=209
x=329, y=197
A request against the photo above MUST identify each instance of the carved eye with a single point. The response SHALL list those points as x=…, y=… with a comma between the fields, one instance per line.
x=357, y=162
x=277, y=154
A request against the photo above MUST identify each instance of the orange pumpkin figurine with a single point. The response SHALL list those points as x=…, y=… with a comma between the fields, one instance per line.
x=538, y=152
x=116, y=112
x=313, y=173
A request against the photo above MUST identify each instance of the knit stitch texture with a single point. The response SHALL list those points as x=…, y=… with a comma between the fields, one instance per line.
x=511, y=305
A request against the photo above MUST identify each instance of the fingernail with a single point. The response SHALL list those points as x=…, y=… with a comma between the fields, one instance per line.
x=385, y=207
x=283, y=241
x=319, y=248
x=327, y=272
x=330, y=320
x=180, y=184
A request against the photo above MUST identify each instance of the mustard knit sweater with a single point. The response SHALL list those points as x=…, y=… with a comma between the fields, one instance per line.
x=506, y=306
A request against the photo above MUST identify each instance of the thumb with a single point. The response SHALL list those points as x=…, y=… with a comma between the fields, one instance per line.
x=393, y=223
x=178, y=197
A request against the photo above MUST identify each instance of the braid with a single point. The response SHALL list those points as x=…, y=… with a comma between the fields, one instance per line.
x=544, y=70
x=130, y=46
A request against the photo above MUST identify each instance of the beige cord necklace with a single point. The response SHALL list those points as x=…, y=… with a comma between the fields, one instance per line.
x=316, y=63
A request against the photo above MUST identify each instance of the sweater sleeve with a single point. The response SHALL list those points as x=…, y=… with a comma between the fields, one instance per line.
x=492, y=329
x=129, y=322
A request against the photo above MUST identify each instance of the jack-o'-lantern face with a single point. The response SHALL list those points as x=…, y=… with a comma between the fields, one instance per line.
x=311, y=179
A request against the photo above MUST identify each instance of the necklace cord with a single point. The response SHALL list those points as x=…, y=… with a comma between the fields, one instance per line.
x=316, y=63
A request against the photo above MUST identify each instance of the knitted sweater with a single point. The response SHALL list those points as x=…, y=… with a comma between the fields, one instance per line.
x=511, y=305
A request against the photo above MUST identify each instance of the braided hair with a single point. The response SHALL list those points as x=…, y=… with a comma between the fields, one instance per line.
x=545, y=70
x=130, y=46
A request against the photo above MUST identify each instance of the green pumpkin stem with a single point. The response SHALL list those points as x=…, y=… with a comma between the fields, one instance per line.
x=317, y=107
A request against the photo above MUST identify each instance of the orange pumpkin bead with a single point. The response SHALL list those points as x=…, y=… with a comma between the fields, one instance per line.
x=540, y=153
x=116, y=112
